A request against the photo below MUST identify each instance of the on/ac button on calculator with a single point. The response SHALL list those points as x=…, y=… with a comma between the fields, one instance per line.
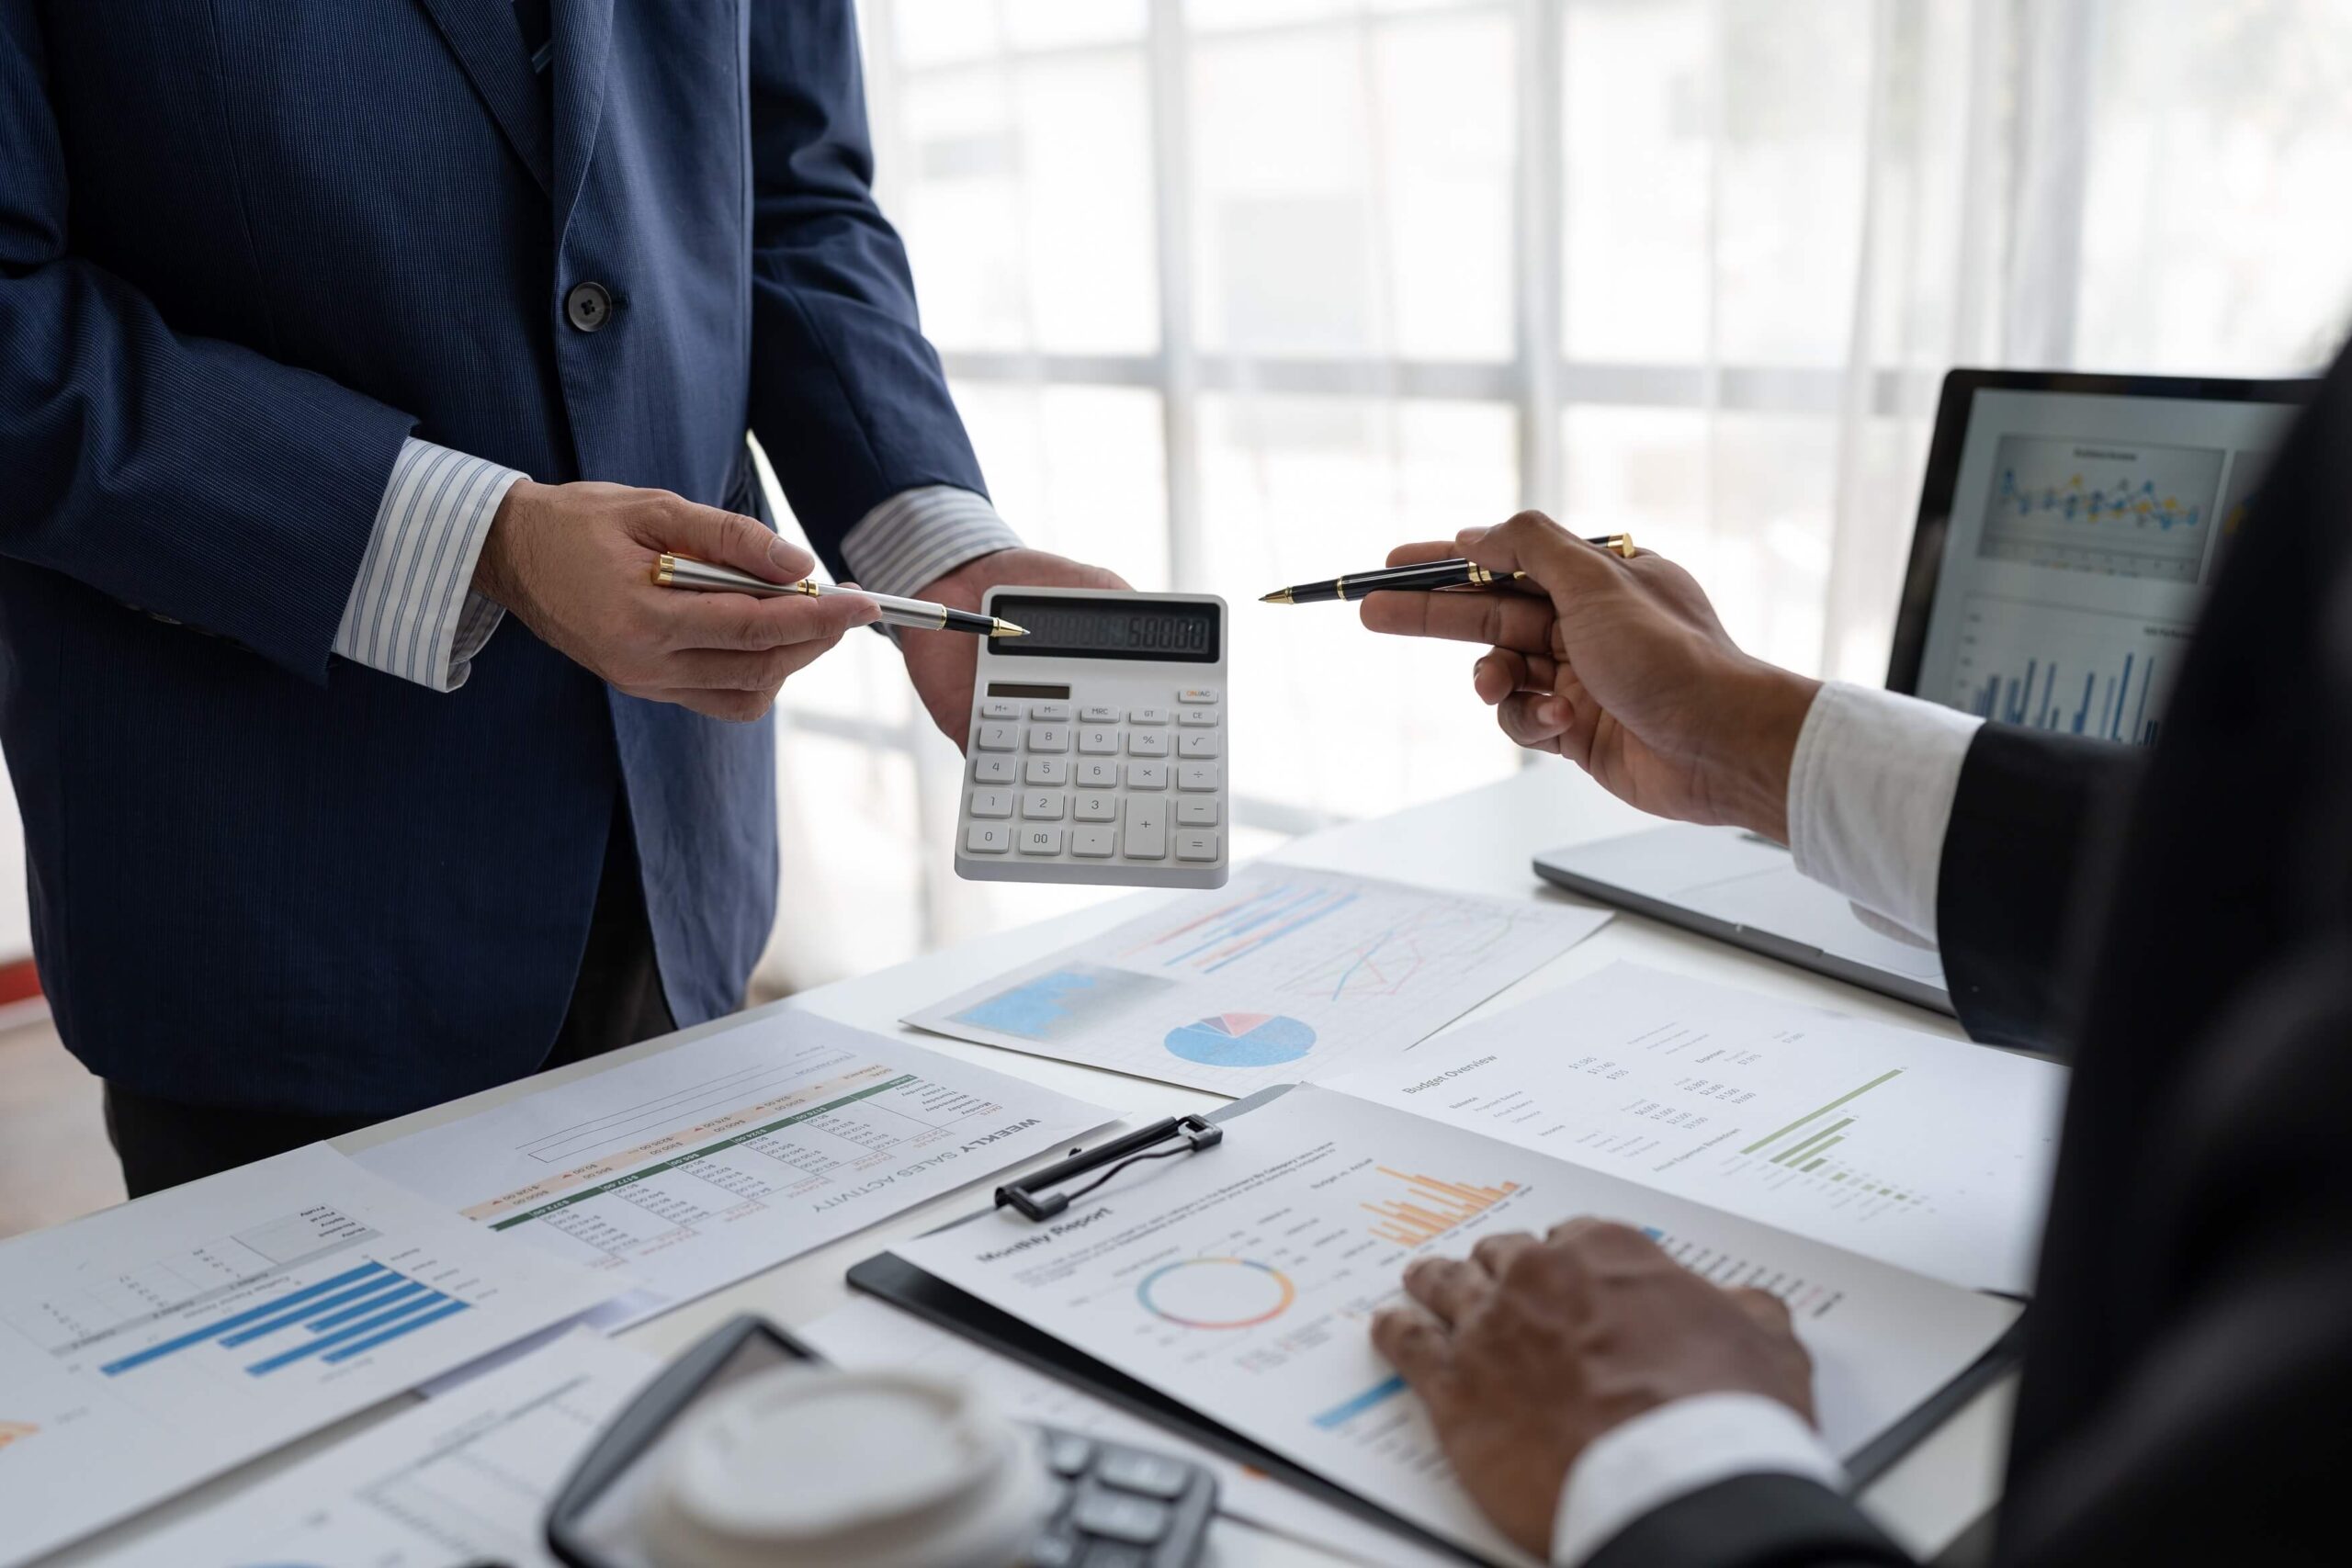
x=1098, y=743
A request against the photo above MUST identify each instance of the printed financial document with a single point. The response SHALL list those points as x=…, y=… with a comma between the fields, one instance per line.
x=466, y=1478
x=147, y=1347
x=1242, y=1279
x=1932, y=1154
x=867, y=1332
x=1286, y=975
x=689, y=1169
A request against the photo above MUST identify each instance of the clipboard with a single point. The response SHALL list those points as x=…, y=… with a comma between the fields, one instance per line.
x=903, y=1285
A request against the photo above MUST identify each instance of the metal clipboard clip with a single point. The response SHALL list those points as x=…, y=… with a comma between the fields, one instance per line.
x=1030, y=1197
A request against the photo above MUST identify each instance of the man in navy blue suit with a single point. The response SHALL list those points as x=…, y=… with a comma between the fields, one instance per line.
x=355, y=361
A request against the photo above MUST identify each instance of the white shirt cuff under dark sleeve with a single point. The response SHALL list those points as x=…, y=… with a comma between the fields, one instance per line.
x=414, y=613
x=1871, y=790
x=1674, y=1450
x=917, y=535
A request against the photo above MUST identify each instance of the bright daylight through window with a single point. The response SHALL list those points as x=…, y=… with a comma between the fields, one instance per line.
x=1240, y=292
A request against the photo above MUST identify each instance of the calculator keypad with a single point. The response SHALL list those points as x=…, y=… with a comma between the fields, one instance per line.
x=1120, y=1508
x=1095, y=783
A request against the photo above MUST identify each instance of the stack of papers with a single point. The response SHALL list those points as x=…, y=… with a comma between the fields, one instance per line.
x=466, y=1478
x=1242, y=1279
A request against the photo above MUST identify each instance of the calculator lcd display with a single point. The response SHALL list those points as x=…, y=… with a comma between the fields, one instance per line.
x=1108, y=628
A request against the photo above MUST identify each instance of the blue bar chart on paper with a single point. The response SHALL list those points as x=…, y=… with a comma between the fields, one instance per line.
x=2096, y=673
x=299, y=1290
x=150, y=1345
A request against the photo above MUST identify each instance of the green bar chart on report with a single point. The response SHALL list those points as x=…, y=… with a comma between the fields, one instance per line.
x=1803, y=1148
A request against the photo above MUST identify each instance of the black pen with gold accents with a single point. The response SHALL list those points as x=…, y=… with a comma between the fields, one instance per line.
x=914, y=614
x=1427, y=577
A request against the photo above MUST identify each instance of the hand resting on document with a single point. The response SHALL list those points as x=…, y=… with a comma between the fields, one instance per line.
x=1527, y=1350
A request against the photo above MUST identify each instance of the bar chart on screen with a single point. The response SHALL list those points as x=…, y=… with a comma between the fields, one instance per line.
x=2099, y=674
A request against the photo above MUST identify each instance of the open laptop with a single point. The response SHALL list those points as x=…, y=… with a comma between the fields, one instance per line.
x=2067, y=530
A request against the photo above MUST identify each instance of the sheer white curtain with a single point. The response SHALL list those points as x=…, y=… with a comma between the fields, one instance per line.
x=1240, y=292
x=1237, y=292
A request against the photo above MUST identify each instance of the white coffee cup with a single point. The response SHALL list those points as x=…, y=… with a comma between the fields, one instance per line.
x=805, y=1467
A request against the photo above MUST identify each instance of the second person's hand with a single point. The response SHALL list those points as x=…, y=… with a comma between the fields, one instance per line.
x=1620, y=666
x=1527, y=1351
x=575, y=563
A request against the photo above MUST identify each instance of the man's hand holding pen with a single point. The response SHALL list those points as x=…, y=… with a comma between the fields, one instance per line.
x=1618, y=664
x=574, y=563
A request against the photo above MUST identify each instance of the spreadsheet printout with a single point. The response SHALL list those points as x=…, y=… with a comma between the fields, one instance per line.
x=692, y=1168
x=1283, y=975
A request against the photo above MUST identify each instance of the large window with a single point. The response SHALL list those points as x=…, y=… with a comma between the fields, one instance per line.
x=1239, y=292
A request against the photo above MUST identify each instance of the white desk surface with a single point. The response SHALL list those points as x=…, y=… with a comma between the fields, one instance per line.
x=1481, y=841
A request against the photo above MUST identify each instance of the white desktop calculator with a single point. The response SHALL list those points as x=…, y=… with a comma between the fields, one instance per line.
x=1098, y=743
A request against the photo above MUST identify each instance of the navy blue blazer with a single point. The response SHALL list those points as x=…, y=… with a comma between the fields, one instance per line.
x=246, y=247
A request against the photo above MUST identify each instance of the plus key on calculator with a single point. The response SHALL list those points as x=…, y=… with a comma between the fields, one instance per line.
x=1097, y=750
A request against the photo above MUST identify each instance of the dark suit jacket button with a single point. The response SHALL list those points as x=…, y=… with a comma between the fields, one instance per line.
x=589, y=306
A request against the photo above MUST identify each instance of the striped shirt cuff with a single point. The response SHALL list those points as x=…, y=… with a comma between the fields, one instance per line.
x=919, y=535
x=413, y=613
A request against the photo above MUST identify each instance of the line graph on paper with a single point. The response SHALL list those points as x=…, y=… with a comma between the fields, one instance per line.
x=1308, y=939
x=1286, y=976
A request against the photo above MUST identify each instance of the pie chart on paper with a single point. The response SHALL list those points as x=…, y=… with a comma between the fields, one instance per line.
x=1242, y=1040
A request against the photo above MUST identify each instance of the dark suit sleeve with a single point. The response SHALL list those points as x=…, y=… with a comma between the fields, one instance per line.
x=847, y=397
x=188, y=476
x=2032, y=824
x=2220, y=1436
x=1752, y=1521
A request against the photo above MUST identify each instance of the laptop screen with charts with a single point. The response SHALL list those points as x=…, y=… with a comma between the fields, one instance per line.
x=2068, y=529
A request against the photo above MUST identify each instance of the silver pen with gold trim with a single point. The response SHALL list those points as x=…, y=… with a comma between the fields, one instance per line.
x=915, y=615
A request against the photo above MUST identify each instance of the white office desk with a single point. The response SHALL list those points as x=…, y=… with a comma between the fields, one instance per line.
x=1478, y=841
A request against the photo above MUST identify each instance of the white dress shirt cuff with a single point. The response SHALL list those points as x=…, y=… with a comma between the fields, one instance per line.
x=918, y=535
x=1869, y=796
x=413, y=613
x=1674, y=1450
